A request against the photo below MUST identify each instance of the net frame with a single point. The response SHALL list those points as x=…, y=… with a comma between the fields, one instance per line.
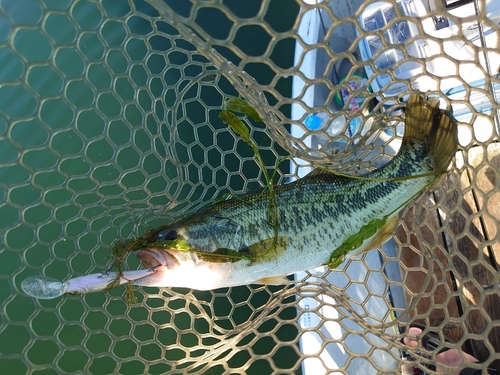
x=94, y=152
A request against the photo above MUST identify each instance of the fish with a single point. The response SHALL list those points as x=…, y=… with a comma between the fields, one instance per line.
x=321, y=219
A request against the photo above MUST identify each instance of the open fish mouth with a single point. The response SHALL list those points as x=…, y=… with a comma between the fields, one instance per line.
x=155, y=258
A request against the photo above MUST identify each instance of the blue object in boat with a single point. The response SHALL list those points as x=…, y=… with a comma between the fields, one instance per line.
x=354, y=126
x=313, y=122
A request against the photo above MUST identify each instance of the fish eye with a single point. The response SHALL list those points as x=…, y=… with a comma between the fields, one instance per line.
x=168, y=235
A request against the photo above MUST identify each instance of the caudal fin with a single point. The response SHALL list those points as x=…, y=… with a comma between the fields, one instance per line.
x=424, y=121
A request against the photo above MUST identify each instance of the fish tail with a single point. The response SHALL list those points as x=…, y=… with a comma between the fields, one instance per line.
x=437, y=128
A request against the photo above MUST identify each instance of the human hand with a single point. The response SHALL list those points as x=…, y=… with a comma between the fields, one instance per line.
x=450, y=358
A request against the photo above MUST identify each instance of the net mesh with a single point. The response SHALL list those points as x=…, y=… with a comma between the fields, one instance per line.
x=109, y=126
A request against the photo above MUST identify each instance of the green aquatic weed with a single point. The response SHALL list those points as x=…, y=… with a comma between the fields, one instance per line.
x=355, y=241
x=118, y=252
x=129, y=295
x=237, y=125
x=229, y=118
x=149, y=240
x=223, y=255
x=242, y=106
x=218, y=256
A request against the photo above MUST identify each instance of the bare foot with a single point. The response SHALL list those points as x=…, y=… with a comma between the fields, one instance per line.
x=450, y=358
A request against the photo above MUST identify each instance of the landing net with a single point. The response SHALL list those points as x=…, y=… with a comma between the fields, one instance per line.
x=109, y=126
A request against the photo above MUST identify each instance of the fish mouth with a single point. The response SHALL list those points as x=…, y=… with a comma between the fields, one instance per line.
x=155, y=258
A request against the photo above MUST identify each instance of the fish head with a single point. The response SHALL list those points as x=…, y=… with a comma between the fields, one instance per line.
x=176, y=268
x=206, y=233
x=195, y=253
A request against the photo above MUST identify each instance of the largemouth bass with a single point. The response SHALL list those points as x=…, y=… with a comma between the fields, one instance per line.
x=321, y=219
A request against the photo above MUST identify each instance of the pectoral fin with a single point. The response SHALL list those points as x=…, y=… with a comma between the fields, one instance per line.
x=268, y=249
x=274, y=280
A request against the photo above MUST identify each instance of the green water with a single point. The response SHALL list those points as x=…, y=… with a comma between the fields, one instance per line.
x=79, y=170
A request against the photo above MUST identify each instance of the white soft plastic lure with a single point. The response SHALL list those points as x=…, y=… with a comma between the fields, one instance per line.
x=44, y=287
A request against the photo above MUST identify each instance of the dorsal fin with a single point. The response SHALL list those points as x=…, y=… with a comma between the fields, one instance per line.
x=318, y=171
